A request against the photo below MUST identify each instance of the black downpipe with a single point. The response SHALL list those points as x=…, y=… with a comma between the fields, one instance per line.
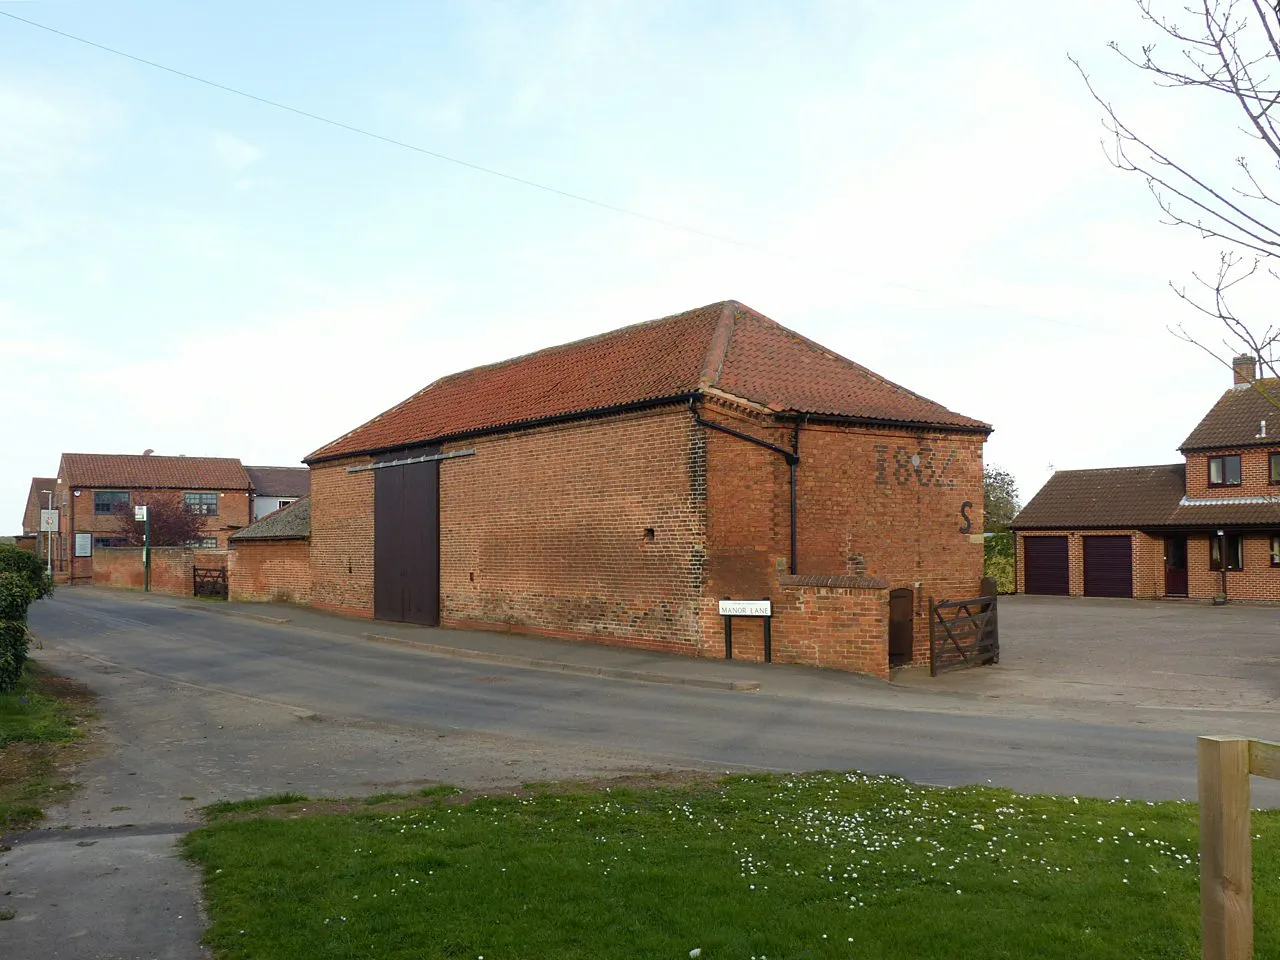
x=791, y=456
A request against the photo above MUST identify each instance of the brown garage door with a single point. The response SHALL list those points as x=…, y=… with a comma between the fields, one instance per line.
x=1046, y=566
x=1108, y=566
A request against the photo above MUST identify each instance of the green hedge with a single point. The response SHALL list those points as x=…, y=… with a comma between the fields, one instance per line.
x=23, y=581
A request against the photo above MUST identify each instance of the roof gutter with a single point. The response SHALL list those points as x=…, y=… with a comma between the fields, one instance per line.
x=509, y=427
x=985, y=429
x=791, y=456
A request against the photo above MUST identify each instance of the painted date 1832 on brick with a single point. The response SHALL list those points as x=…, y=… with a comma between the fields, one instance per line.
x=924, y=465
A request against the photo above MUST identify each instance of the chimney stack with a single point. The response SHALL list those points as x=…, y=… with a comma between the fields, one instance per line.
x=1245, y=369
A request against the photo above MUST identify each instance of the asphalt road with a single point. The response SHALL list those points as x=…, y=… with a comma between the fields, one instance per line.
x=344, y=677
x=197, y=707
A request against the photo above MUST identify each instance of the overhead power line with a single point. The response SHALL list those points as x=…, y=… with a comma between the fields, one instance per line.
x=534, y=184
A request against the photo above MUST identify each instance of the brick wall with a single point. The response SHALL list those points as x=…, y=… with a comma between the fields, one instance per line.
x=342, y=537
x=863, y=508
x=1255, y=473
x=122, y=567
x=836, y=622
x=1257, y=581
x=592, y=529
x=270, y=570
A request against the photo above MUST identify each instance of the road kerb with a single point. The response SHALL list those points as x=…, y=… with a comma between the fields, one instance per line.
x=560, y=666
x=260, y=617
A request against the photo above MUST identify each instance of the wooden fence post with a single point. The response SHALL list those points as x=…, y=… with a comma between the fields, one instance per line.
x=1226, y=860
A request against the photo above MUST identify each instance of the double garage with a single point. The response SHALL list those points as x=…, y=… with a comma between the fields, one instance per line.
x=1107, y=561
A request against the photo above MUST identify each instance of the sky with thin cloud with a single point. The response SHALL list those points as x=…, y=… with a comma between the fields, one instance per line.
x=919, y=187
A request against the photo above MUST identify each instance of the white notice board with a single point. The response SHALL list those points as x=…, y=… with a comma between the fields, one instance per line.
x=84, y=545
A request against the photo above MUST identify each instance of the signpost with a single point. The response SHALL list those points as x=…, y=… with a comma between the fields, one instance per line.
x=747, y=608
x=49, y=525
x=140, y=512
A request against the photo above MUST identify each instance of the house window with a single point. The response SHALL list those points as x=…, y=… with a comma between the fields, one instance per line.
x=1273, y=474
x=1235, y=551
x=110, y=501
x=109, y=542
x=285, y=502
x=1224, y=471
x=204, y=543
x=207, y=503
x=1275, y=550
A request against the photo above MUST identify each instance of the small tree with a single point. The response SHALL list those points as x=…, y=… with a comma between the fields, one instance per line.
x=171, y=524
x=999, y=499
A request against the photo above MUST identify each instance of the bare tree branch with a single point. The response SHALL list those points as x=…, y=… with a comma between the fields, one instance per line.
x=1231, y=48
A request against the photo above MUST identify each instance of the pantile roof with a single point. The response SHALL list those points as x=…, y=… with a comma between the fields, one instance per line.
x=1236, y=419
x=290, y=522
x=280, y=481
x=1137, y=497
x=147, y=471
x=723, y=346
x=36, y=502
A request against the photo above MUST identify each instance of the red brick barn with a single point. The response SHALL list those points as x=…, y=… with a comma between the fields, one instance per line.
x=615, y=488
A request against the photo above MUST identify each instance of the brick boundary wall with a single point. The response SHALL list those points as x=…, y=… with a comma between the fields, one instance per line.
x=841, y=623
x=121, y=567
x=274, y=571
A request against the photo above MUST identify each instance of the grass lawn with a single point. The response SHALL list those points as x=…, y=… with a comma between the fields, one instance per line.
x=38, y=721
x=820, y=865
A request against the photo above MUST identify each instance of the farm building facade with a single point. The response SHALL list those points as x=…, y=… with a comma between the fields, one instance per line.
x=616, y=488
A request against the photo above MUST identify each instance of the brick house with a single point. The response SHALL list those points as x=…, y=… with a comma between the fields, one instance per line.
x=1205, y=528
x=93, y=488
x=615, y=488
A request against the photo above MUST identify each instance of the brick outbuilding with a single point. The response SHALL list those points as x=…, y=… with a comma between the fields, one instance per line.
x=615, y=488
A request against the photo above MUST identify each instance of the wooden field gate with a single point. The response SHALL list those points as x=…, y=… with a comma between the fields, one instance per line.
x=963, y=633
x=209, y=582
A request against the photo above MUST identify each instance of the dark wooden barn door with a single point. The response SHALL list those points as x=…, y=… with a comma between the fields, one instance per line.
x=1108, y=566
x=901, y=626
x=1175, y=566
x=1046, y=566
x=406, y=543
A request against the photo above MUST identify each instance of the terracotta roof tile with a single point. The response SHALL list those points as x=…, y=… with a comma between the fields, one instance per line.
x=1236, y=419
x=128, y=471
x=290, y=522
x=723, y=345
x=1111, y=497
x=280, y=481
x=36, y=502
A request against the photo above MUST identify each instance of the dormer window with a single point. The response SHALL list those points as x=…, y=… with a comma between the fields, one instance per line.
x=1224, y=471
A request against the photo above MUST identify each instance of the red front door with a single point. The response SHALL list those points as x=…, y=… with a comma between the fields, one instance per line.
x=1175, y=566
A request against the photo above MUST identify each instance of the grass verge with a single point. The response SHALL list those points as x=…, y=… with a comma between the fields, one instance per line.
x=40, y=720
x=821, y=865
